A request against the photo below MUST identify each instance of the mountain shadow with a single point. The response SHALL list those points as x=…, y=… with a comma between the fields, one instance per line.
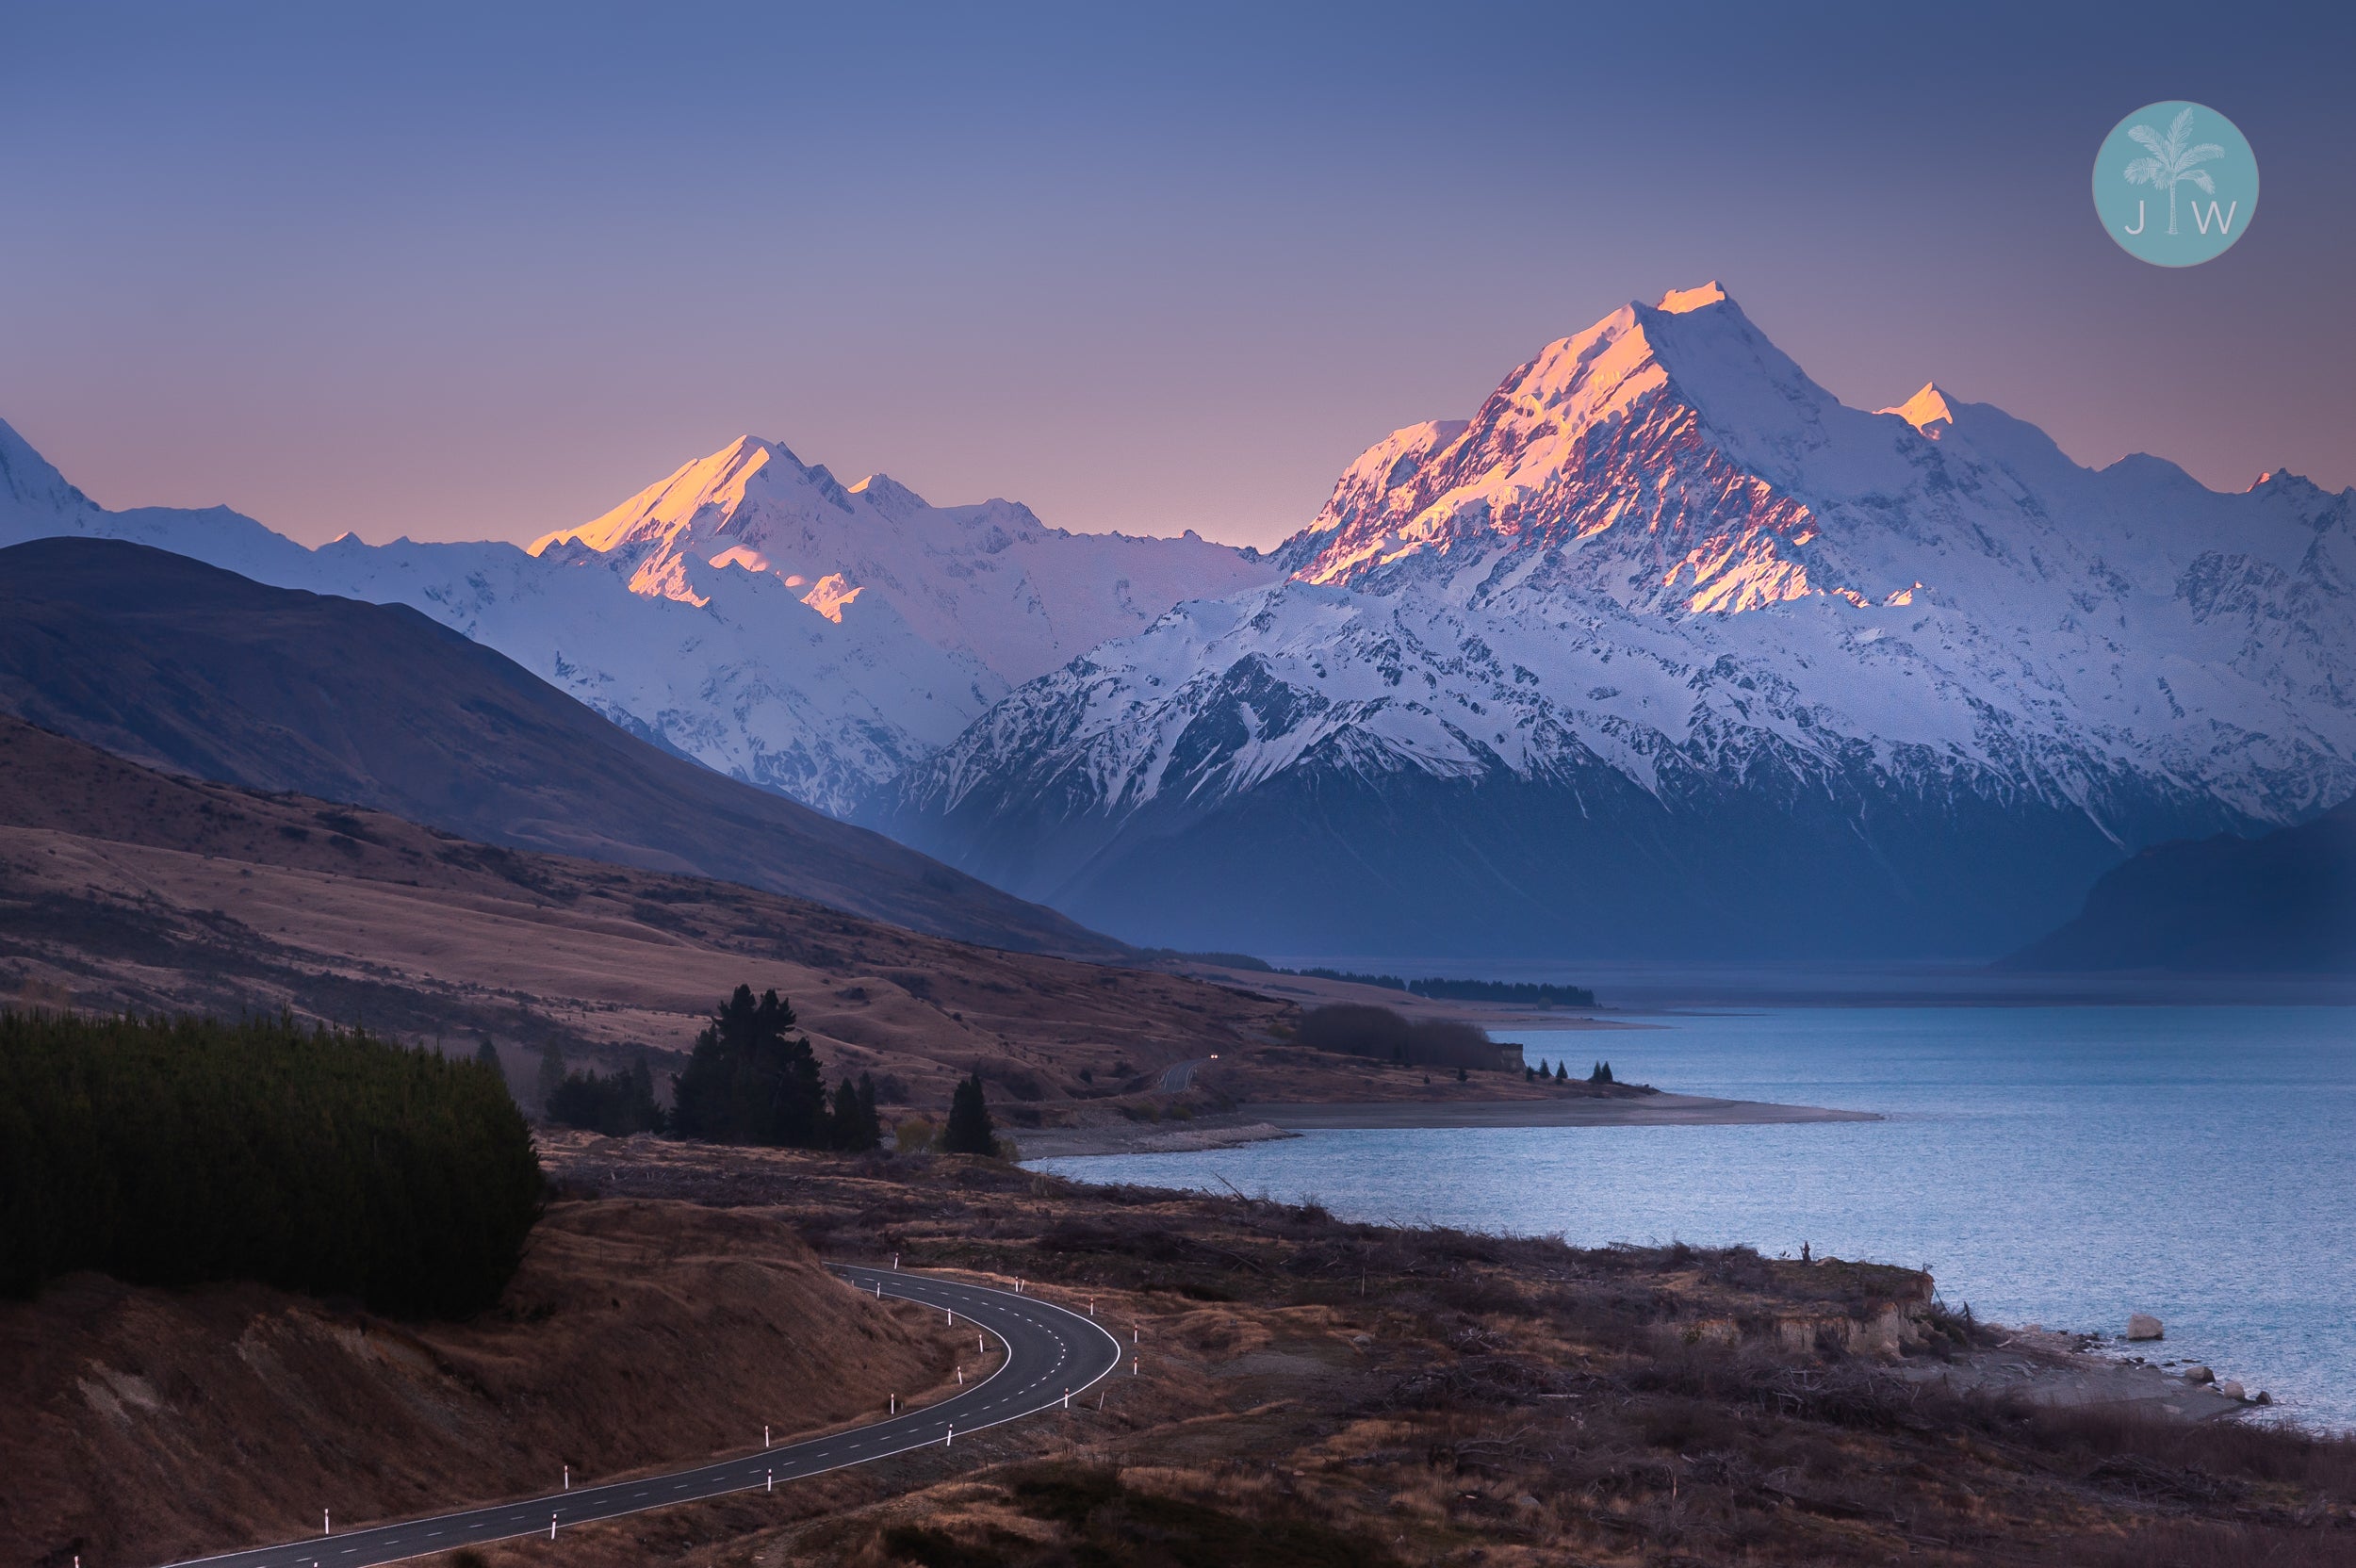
x=2281, y=904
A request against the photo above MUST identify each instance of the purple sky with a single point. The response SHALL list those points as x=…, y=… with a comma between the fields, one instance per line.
x=428, y=272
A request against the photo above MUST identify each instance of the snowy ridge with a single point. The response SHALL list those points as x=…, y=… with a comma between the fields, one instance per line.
x=991, y=582
x=818, y=690
x=1661, y=561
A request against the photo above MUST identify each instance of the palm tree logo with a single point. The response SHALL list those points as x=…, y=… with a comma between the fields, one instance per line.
x=2173, y=160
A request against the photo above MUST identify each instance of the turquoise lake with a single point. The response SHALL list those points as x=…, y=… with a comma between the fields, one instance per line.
x=2063, y=1166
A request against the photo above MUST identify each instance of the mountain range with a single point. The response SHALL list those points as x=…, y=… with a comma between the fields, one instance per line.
x=181, y=666
x=1664, y=650
x=748, y=612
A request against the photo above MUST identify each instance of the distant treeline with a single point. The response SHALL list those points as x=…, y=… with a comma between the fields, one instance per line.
x=614, y=1103
x=1519, y=992
x=173, y=1151
x=1356, y=1030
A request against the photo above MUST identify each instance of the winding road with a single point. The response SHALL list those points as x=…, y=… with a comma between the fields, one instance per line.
x=1049, y=1350
x=1180, y=1076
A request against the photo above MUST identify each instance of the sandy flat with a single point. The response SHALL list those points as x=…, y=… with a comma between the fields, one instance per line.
x=1653, y=1110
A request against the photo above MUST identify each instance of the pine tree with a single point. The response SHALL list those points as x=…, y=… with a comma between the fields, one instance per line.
x=642, y=1108
x=842, y=1127
x=870, y=1124
x=487, y=1055
x=172, y=1152
x=1562, y=1072
x=749, y=1081
x=969, y=1131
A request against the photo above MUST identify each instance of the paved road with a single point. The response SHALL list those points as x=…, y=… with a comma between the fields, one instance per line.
x=1176, y=1078
x=1049, y=1349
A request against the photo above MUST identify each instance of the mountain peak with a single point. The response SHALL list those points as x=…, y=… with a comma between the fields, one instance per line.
x=888, y=494
x=1926, y=408
x=30, y=480
x=1681, y=301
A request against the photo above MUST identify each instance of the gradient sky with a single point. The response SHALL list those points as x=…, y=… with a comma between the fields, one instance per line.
x=484, y=270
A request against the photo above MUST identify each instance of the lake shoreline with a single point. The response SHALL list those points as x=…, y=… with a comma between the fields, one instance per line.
x=1263, y=1122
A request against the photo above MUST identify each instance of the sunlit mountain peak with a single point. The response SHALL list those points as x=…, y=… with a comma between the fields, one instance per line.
x=1678, y=301
x=1926, y=408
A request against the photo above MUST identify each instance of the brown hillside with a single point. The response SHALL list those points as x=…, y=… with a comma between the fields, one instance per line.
x=121, y=886
x=148, y=1426
x=176, y=664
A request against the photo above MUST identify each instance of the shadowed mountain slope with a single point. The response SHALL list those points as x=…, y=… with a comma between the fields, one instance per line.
x=2283, y=904
x=176, y=664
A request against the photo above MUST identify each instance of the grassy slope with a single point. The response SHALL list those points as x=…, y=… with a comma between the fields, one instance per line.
x=124, y=885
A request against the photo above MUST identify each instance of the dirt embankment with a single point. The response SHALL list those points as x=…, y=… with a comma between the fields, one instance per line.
x=146, y=1425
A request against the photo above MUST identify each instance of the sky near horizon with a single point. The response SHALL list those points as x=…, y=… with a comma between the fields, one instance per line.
x=483, y=271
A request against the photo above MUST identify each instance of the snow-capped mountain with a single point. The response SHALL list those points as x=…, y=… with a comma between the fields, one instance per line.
x=1666, y=651
x=821, y=696
x=989, y=582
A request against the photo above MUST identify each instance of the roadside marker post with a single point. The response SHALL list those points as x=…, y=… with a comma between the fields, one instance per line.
x=765, y=1434
x=1133, y=1366
x=951, y=1441
x=773, y=1480
x=325, y=1526
x=568, y=1469
x=895, y=1404
x=551, y=1527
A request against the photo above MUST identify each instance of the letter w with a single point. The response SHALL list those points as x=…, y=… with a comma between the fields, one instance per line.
x=2224, y=224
